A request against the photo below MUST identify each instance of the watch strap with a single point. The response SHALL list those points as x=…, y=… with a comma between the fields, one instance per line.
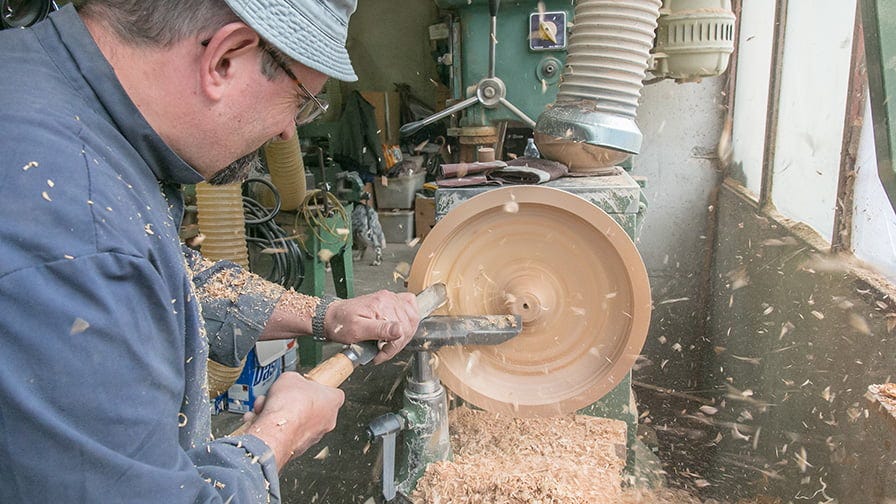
x=317, y=321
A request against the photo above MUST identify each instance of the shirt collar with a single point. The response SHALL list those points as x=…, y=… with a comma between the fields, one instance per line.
x=92, y=68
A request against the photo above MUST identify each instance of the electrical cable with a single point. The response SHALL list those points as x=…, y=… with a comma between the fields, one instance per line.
x=315, y=217
x=287, y=261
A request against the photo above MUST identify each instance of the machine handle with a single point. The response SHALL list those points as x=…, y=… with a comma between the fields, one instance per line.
x=493, y=7
x=386, y=428
x=413, y=127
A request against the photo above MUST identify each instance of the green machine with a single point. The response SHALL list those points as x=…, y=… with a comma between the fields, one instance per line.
x=560, y=254
x=529, y=54
x=519, y=73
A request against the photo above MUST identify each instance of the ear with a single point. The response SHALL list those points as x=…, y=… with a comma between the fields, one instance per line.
x=229, y=53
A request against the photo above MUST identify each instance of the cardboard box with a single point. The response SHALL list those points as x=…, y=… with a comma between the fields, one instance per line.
x=254, y=381
x=424, y=215
x=267, y=351
x=290, y=359
x=387, y=114
x=219, y=404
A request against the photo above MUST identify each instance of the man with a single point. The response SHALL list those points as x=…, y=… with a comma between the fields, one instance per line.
x=105, y=111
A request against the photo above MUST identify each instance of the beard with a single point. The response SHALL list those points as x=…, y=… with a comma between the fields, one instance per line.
x=237, y=171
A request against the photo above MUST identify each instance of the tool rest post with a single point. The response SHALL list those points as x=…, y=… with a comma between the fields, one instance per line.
x=422, y=379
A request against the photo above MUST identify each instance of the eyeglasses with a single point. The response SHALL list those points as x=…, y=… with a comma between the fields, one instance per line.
x=312, y=107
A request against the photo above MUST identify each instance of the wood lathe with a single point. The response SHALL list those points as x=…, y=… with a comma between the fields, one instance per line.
x=566, y=271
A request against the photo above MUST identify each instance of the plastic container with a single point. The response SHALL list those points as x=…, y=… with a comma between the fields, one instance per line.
x=398, y=225
x=398, y=192
x=531, y=150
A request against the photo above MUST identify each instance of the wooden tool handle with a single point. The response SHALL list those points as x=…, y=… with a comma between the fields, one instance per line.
x=241, y=429
x=333, y=371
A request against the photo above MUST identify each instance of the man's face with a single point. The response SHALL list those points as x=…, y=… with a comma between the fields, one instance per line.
x=272, y=119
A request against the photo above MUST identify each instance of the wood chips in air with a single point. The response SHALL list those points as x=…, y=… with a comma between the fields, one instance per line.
x=503, y=460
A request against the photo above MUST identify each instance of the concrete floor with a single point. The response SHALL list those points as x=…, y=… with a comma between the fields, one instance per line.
x=344, y=467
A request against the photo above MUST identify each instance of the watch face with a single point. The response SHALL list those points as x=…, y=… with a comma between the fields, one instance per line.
x=547, y=31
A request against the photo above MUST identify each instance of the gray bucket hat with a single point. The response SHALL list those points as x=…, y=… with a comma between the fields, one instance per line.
x=312, y=32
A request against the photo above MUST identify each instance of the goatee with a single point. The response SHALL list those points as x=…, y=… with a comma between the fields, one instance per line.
x=237, y=171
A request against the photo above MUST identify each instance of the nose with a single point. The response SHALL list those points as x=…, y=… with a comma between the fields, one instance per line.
x=288, y=133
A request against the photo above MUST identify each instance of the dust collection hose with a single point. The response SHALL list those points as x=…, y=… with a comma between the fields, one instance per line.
x=592, y=126
x=221, y=221
x=284, y=160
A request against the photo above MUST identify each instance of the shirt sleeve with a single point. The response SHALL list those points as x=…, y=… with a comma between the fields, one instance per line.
x=92, y=386
x=236, y=305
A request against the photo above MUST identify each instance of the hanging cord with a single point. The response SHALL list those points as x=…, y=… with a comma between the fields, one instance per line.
x=287, y=266
x=315, y=214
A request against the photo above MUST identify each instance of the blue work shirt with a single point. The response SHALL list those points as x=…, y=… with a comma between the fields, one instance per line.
x=103, y=394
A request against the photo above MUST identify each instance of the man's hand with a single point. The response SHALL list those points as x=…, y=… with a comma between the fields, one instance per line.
x=295, y=414
x=382, y=316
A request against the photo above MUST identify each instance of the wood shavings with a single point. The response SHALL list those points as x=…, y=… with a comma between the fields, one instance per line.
x=80, y=325
x=323, y=453
x=298, y=304
x=889, y=390
x=401, y=271
x=325, y=255
x=230, y=284
x=504, y=460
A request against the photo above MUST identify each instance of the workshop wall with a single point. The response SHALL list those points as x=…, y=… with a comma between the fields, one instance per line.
x=797, y=337
x=388, y=41
x=681, y=124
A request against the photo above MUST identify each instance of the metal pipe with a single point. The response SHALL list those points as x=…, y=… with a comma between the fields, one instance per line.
x=493, y=33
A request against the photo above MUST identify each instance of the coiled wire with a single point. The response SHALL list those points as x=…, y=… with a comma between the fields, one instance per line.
x=263, y=233
x=315, y=214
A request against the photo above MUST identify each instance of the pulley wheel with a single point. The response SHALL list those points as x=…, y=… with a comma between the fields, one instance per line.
x=571, y=273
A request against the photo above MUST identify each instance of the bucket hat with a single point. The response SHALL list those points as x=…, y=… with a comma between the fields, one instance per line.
x=312, y=32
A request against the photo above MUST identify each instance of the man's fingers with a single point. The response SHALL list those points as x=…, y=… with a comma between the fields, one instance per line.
x=386, y=352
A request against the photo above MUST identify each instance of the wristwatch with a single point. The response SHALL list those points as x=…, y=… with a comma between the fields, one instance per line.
x=317, y=321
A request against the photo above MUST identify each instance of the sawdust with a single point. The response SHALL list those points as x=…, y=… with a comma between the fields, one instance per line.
x=504, y=460
x=298, y=304
x=574, y=459
x=231, y=283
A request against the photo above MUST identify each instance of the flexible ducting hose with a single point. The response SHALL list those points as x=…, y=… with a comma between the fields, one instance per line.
x=284, y=160
x=221, y=221
x=592, y=123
